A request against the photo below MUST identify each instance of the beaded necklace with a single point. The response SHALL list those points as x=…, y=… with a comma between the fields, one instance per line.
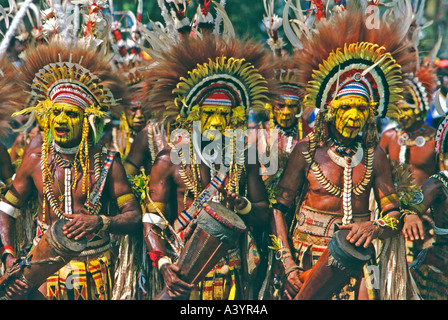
x=192, y=178
x=404, y=141
x=67, y=165
x=348, y=163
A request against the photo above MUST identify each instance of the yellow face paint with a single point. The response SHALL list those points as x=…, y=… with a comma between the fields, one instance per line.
x=66, y=122
x=407, y=116
x=134, y=116
x=285, y=112
x=215, y=118
x=351, y=115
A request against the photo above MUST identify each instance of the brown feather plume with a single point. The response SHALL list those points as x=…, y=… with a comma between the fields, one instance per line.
x=157, y=87
x=11, y=95
x=44, y=54
x=348, y=27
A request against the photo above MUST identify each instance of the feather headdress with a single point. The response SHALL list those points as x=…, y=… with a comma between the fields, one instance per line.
x=197, y=69
x=420, y=88
x=344, y=48
x=11, y=96
x=76, y=75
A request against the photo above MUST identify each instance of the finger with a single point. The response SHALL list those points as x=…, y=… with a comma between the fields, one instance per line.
x=422, y=231
x=287, y=294
x=361, y=239
x=353, y=236
x=75, y=233
x=404, y=232
x=415, y=232
x=368, y=241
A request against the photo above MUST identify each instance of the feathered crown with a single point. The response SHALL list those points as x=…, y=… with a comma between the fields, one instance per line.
x=420, y=87
x=211, y=71
x=72, y=75
x=354, y=54
x=287, y=79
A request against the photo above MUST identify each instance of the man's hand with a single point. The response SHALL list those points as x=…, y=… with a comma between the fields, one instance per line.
x=361, y=234
x=15, y=287
x=176, y=287
x=233, y=199
x=293, y=283
x=413, y=227
x=80, y=225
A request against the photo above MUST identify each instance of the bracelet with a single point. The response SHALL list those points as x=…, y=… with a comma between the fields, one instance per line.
x=406, y=212
x=246, y=209
x=162, y=261
x=105, y=221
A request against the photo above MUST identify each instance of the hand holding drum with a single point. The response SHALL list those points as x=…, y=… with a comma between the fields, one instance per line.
x=217, y=230
x=339, y=262
x=53, y=251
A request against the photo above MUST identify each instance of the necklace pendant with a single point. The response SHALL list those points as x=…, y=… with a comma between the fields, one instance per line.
x=420, y=141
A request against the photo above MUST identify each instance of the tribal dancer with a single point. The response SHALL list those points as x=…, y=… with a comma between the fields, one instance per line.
x=132, y=120
x=412, y=143
x=350, y=75
x=219, y=82
x=70, y=173
x=429, y=270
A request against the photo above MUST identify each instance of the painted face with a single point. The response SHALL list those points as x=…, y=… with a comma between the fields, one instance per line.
x=40, y=122
x=351, y=115
x=66, y=122
x=407, y=116
x=215, y=118
x=134, y=116
x=285, y=112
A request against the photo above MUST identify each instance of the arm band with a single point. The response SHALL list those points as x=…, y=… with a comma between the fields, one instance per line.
x=281, y=207
x=246, y=209
x=154, y=219
x=126, y=198
x=390, y=199
x=10, y=210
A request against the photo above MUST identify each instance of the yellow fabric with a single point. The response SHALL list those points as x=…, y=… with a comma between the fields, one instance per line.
x=83, y=280
x=222, y=282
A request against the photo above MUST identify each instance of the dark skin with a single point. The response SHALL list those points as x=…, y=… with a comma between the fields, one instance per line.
x=21, y=143
x=29, y=179
x=139, y=154
x=167, y=186
x=136, y=121
x=421, y=159
x=317, y=197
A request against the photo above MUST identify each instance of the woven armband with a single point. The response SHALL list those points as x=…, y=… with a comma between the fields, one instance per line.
x=281, y=207
x=13, y=200
x=10, y=210
x=126, y=198
x=388, y=200
x=156, y=207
